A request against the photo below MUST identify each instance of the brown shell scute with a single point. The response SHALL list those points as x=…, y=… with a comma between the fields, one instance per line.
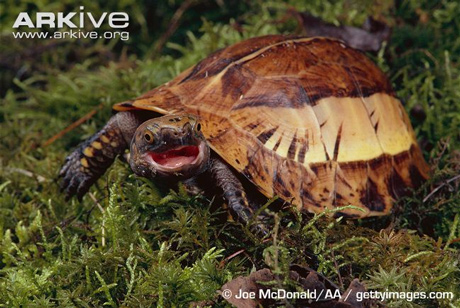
x=220, y=59
x=308, y=119
x=308, y=64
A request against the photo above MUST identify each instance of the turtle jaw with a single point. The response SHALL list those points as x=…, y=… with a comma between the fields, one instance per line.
x=180, y=162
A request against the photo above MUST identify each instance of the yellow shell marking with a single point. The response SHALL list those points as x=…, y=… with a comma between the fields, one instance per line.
x=394, y=134
x=362, y=136
x=358, y=139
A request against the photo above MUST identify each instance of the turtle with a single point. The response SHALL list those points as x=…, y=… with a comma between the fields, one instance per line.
x=307, y=119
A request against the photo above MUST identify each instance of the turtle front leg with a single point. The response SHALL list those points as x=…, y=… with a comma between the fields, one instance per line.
x=234, y=194
x=93, y=157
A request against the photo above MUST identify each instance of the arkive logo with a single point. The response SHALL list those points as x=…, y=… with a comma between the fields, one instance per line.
x=116, y=20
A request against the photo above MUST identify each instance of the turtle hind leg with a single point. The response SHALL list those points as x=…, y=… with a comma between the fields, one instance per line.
x=93, y=157
x=234, y=194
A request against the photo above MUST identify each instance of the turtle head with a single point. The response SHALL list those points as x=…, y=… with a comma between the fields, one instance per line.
x=171, y=146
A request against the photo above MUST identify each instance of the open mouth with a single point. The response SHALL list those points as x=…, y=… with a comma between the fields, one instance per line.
x=177, y=157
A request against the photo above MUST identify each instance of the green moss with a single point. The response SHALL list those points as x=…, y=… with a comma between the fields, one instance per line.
x=131, y=244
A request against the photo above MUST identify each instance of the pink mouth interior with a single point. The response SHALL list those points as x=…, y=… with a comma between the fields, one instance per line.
x=176, y=157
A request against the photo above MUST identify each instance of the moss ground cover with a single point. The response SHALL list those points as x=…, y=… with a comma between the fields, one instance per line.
x=132, y=244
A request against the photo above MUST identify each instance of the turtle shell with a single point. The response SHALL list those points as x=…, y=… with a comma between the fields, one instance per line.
x=310, y=120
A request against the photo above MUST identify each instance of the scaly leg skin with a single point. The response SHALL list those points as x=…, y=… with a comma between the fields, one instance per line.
x=92, y=158
x=192, y=187
x=234, y=194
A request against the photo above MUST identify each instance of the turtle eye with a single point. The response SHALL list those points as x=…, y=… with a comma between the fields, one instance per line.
x=148, y=136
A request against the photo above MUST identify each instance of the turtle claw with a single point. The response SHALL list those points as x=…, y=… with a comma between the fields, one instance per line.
x=72, y=187
x=76, y=184
x=83, y=188
x=76, y=178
